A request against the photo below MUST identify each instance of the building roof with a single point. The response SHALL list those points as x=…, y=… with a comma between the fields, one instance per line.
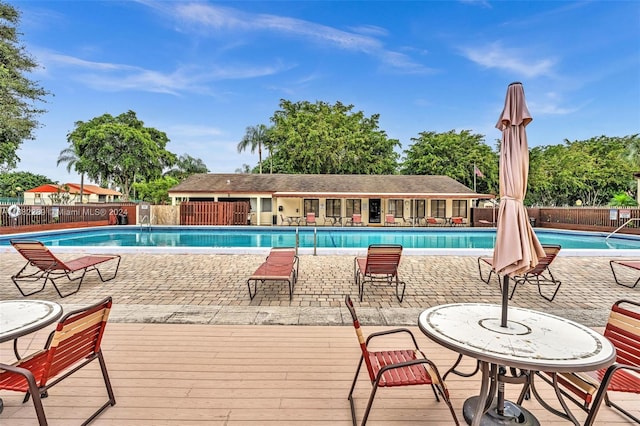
x=297, y=185
x=73, y=188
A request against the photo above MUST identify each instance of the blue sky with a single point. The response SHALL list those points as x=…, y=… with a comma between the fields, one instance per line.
x=203, y=71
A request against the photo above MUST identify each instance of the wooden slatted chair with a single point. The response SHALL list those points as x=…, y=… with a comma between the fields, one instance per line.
x=392, y=368
x=380, y=265
x=540, y=275
x=629, y=264
x=588, y=390
x=43, y=264
x=282, y=264
x=74, y=344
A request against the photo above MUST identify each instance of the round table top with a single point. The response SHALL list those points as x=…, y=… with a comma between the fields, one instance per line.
x=532, y=340
x=20, y=317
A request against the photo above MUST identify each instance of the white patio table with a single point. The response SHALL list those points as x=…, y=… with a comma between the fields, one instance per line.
x=532, y=341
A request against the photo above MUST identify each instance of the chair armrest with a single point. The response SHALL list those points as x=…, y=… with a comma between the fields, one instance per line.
x=394, y=331
x=28, y=376
x=432, y=369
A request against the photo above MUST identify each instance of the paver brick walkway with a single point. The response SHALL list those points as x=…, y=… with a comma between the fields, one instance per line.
x=211, y=288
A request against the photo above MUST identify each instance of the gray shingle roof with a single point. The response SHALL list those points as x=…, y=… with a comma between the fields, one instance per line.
x=234, y=183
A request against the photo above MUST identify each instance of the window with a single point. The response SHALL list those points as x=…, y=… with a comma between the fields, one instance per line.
x=438, y=208
x=354, y=206
x=459, y=208
x=311, y=205
x=265, y=205
x=395, y=208
x=334, y=207
x=38, y=198
x=418, y=208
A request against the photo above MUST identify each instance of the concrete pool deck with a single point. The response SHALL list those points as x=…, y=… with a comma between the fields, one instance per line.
x=212, y=289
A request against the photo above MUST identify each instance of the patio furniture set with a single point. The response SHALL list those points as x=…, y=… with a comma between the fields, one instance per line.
x=581, y=365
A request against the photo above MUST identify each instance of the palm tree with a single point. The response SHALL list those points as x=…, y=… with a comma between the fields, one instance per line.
x=187, y=166
x=71, y=157
x=255, y=137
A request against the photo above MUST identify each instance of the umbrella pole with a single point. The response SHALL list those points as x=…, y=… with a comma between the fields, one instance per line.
x=505, y=300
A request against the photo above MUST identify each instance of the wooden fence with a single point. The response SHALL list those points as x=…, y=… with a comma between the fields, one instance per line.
x=214, y=213
x=604, y=219
x=26, y=218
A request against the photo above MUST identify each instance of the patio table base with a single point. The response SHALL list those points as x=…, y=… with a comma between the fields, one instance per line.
x=513, y=414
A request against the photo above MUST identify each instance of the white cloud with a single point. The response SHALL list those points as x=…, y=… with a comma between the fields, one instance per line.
x=516, y=60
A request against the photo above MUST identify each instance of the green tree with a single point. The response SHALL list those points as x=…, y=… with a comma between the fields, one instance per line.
x=12, y=184
x=255, y=138
x=73, y=161
x=623, y=200
x=18, y=94
x=186, y=166
x=329, y=139
x=453, y=154
x=120, y=150
x=157, y=190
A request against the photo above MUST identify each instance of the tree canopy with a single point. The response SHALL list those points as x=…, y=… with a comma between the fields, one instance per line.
x=319, y=138
x=120, y=150
x=186, y=166
x=18, y=94
x=12, y=184
x=453, y=154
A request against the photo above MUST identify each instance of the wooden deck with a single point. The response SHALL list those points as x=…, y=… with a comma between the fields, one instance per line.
x=182, y=374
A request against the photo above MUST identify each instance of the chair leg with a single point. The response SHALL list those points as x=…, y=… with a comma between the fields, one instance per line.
x=353, y=386
x=400, y=295
x=107, y=383
x=611, y=262
x=485, y=280
x=255, y=288
x=66, y=274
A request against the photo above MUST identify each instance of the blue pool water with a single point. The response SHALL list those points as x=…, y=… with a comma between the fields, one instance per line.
x=257, y=237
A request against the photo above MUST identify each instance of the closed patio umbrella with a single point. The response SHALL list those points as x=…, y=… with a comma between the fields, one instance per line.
x=517, y=248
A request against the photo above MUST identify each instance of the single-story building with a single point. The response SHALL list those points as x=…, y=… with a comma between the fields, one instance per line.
x=280, y=199
x=69, y=193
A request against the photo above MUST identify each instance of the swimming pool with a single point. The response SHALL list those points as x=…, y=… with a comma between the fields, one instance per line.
x=248, y=239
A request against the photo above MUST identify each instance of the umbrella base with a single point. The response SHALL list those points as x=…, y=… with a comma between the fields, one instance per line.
x=513, y=414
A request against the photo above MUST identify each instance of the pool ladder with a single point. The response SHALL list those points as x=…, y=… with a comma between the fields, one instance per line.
x=635, y=219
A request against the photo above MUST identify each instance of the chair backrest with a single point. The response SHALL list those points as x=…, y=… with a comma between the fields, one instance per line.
x=383, y=259
x=551, y=252
x=77, y=336
x=281, y=255
x=361, y=340
x=432, y=220
x=356, y=218
x=390, y=218
x=623, y=331
x=38, y=254
x=457, y=220
x=311, y=217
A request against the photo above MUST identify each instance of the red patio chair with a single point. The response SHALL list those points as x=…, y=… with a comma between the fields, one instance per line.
x=392, y=368
x=356, y=220
x=282, y=264
x=49, y=267
x=540, y=275
x=631, y=264
x=623, y=330
x=310, y=219
x=380, y=265
x=389, y=220
x=74, y=344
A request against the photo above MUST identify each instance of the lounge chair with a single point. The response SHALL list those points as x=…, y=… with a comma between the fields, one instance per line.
x=355, y=220
x=540, y=275
x=72, y=345
x=380, y=265
x=310, y=219
x=432, y=221
x=588, y=390
x=631, y=264
x=389, y=220
x=281, y=265
x=393, y=368
x=43, y=264
x=457, y=221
